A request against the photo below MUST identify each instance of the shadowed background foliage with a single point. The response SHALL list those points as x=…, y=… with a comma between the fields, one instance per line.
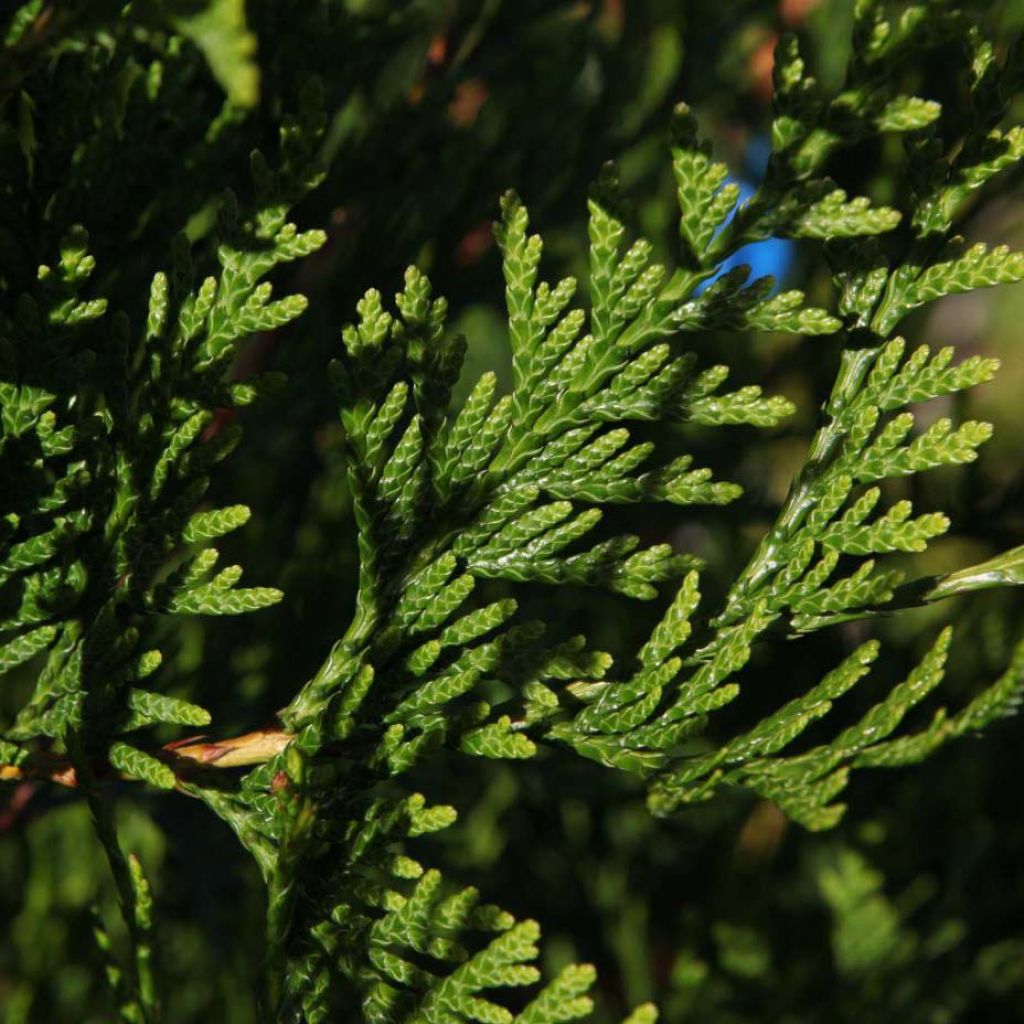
x=913, y=908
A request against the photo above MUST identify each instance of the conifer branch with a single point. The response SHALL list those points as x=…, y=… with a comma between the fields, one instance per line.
x=108, y=440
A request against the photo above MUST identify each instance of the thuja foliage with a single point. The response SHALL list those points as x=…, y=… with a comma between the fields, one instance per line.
x=118, y=412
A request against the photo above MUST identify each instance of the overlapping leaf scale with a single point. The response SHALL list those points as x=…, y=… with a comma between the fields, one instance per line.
x=805, y=784
x=491, y=464
x=116, y=479
x=414, y=948
x=872, y=448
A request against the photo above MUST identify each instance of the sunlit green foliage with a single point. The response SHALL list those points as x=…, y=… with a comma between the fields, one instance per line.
x=115, y=422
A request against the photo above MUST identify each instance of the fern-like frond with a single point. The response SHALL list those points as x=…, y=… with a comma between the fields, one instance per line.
x=108, y=439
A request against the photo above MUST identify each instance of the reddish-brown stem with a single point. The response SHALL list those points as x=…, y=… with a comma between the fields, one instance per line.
x=182, y=755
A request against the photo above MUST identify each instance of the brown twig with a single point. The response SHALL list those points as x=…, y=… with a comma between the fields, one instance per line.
x=182, y=755
x=20, y=799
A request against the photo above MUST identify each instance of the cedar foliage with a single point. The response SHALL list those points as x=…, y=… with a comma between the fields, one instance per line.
x=125, y=320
